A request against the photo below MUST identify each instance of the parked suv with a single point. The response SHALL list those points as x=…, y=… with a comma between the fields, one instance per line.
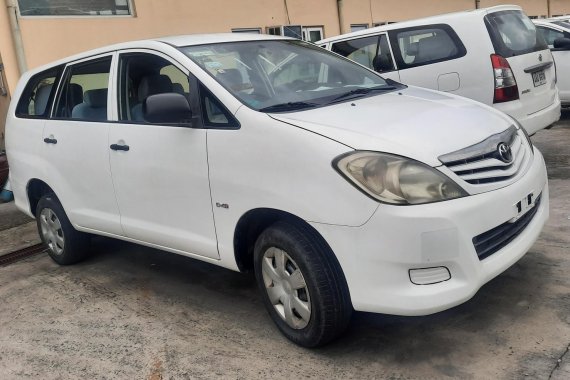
x=557, y=36
x=338, y=188
x=491, y=55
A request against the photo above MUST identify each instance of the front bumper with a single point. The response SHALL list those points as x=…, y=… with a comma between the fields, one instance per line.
x=377, y=256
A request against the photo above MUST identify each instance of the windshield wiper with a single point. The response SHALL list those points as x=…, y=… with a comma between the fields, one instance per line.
x=289, y=106
x=363, y=91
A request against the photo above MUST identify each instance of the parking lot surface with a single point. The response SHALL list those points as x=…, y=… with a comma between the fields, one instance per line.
x=134, y=312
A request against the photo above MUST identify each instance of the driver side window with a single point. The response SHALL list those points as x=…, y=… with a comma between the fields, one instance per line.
x=142, y=75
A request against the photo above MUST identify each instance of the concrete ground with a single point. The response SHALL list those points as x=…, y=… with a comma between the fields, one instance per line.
x=131, y=312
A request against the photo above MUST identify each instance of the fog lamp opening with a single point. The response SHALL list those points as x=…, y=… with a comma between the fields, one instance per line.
x=429, y=276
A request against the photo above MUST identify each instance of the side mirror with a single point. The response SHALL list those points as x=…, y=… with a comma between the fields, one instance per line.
x=562, y=43
x=168, y=108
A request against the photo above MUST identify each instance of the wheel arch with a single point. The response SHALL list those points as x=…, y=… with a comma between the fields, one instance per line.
x=253, y=223
x=35, y=190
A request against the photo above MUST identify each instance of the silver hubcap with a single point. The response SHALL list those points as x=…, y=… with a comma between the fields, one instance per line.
x=286, y=288
x=51, y=231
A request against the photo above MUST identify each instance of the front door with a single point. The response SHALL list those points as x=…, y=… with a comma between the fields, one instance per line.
x=160, y=172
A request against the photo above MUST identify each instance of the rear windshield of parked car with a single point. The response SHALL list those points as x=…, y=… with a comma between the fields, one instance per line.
x=513, y=33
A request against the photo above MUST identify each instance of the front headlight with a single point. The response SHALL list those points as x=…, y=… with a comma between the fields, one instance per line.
x=395, y=179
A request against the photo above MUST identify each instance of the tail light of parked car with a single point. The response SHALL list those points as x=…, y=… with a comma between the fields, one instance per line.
x=506, y=88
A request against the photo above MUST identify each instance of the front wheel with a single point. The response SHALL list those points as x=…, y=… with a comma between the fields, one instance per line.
x=302, y=284
x=65, y=244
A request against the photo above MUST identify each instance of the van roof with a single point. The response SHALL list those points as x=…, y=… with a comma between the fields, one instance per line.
x=438, y=19
x=176, y=41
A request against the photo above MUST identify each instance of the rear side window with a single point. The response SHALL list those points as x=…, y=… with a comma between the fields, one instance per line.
x=38, y=94
x=513, y=33
x=372, y=52
x=83, y=95
x=425, y=45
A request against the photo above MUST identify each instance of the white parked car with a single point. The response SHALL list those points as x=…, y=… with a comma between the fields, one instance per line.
x=492, y=55
x=338, y=188
x=557, y=36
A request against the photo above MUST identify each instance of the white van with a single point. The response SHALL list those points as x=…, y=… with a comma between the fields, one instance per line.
x=556, y=32
x=337, y=188
x=491, y=55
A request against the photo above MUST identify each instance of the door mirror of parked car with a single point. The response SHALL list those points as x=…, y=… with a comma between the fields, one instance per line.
x=168, y=108
x=562, y=43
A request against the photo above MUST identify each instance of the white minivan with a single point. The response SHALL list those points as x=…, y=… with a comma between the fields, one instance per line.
x=339, y=189
x=492, y=55
x=557, y=35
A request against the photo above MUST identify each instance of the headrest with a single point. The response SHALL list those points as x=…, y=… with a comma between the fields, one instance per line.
x=178, y=88
x=382, y=63
x=41, y=99
x=413, y=49
x=75, y=94
x=152, y=85
x=96, y=98
x=435, y=47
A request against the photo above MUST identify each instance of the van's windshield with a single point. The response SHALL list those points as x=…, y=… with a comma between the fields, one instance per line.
x=285, y=75
x=513, y=33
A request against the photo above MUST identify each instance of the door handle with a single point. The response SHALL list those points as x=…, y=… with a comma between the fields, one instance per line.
x=124, y=148
x=49, y=140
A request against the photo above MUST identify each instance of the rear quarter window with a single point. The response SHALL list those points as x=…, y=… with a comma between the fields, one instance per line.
x=424, y=45
x=513, y=33
x=37, y=98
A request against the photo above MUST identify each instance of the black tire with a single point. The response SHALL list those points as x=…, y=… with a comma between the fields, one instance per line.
x=75, y=245
x=328, y=296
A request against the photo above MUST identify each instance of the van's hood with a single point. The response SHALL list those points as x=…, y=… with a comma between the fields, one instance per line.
x=415, y=123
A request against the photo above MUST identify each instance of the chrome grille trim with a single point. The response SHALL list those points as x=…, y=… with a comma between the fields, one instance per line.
x=480, y=167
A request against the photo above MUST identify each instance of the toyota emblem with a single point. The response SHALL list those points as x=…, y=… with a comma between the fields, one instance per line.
x=505, y=153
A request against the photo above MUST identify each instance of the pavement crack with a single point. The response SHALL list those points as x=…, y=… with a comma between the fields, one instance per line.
x=558, y=362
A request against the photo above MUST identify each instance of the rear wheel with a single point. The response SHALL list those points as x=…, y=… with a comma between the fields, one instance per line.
x=65, y=244
x=302, y=285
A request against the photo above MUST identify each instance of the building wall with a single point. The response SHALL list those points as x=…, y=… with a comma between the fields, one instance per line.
x=375, y=11
x=531, y=7
x=4, y=103
x=559, y=7
x=50, y=38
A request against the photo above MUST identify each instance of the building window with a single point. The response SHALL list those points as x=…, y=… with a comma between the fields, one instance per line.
x=75, y=7
x=312, y=33
x=247, y=30
x=294, y=31
x=357, y=27
x=383, y=23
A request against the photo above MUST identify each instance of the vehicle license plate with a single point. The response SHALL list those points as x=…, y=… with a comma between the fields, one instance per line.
x=539, y=78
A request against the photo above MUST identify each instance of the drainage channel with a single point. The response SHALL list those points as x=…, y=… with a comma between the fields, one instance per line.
x=21, y=254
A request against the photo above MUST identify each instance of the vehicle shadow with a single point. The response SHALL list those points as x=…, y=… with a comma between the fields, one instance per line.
x=508, y=301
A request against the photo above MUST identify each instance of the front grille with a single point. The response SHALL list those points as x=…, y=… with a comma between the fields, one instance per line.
x=482, y=164
x=493, y=240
